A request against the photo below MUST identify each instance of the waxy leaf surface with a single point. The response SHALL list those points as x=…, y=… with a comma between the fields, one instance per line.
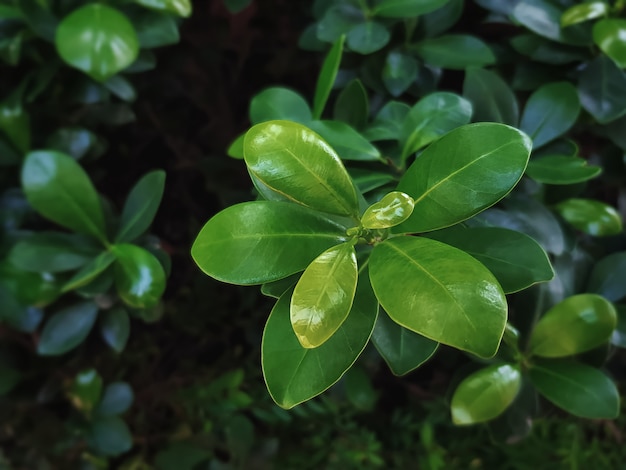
x=139, y=276
x=393, y=209
x=141, y=206
x=590, y=216
x=279, y=103
x=455, y=51
x=601, y=90
x=610, y=36
x=561, y=169
x=327, y=77
x=67, y=328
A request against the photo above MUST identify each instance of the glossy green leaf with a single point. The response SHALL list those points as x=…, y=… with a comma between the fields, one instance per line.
x=367, y=37
x=601, y=90
x=116, y=399
x=141, y=206
x=257, y=242
x=277, y=288
x=610, y=36
x=442, y=19
x=327, y=77
x=139, y=276
x=60, y=190
x=348, y=143
x=29, y=288
x=406, y=8
x=546, y=51
x=485, y=394
x=293, y=373
x=433, y=116
x=591, y=216
x=399, y=72
x=393, y=209
x=583, y=12
x=98, y=40
x=50, y=252
x=561, y=169
x=388, y=122
x=491, y=97
x=279, y=103
x=352, y=105
x=66, y=329
x=550, y=112
x=178, y=7
x=323, y=296
x=295, y=162
x=439, y=292
x=115, y=328
x=463, y=173
x=86, y=390
x=516, y=260
x=109, y=436
x=367, y=180
x=337, y=20
x=576, y=388
x=455, y=51
x=155, y=29
x=402, y=349
x=577, y=324
x=607, y=277
x=235, y=149
x=90, y=271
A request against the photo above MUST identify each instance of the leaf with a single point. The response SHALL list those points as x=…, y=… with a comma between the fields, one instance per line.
x=406, y=8
x=323, y=296
x=607, y=277
x=155, y=29
x=485, y=394
x=86, y=390
x=327, y=77
x=601, y=90
x=66, y=329
x=610, y=35
x=578, y=324
x=393, y=209
x=440, y=20
x=38, y=16
x=352, y=105
x=547, y=51
x=294, y=374
x=60, y=190
x=583, y=12
x=109, y=436
x=89, y=271
x=490, y=96
x=550, y=112
x=402, y=349
x=561, y=169
x=139, y=276
x=74, y=141
x=618, y=338
x=399, y=72
x=98, y=40
x=348, y=143
x=121, y=87
x=178, y=7
x=257, y=242
x=455, y=51
x=516, y=260
x=115, y=328
x=433, y=116
x=15, y=122
x=277, y=288
x=235, y=150
x=279, y=103
x=576, y=388
x=367, y=180
x=464, y=172
x=359, y=389
x=117, y=399
x=439, y=292
x=235, y=6
x=591, y=216
x=388, y=122
x=141, y=206
x=295, y=162
x=50, y=252
x=368, y=37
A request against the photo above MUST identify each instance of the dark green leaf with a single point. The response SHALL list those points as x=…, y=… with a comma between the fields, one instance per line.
x=117, y=399
x=115, y=328
x=352, y=105
x=618, y=338
x=406, y=8
x=607, y=277
x=15, y=122
x=367, y=37
x=601, y=90
x=90, y=271
x=455, y=51
x=388, y=122
x=543, y=17
x=279, y=103
x=235, y=6
x=610, y=36
x=338, y=20
x=277, y=288
x=367, y=180
x=156, y=29
x=139, y=277
x=440, y=20
x=86, y=390
x=491, y=97
x=109, y=436
x=327, y=77
x=66, y=329
x=50, y=252
x=547, y=51
x=399, y=72
x=591, y=216
x=38, y=16
x=178, y=7
x=121, y=88
x=348, y=143
x=561, y=169
x=74, y=141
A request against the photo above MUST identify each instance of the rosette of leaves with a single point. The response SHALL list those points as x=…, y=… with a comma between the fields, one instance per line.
x=332, y=260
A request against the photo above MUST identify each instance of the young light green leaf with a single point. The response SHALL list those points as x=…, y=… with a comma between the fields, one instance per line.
x=402, y=349
x=323, y=296
x=117, y=399
x=433, y=116
x=368, y=37
x=393, y=209
x=257, y=242
x=579, y=389
x=463, y=173
x=115, y=328
x=600, y=88
x=327, y=77
x=348, y=143
x=491, y=97
x=98, y=40
x=235, y=149
x=295, y=162
x=352, y=105
x=561, y=169
x=586, y=11
x=516, y=260
x=279, y=103
x=141, y=206
x=399, y=72
x=406, y=8
x=139, y=276
x=439, y=292
x=485, y=394
x=178, y=7
x=550, y=112
x=50, y=252
x=89, y=271
x=590, y=216
x=66, y=329
x=60, y=190
x=578, y=324
x=607, y=277
x=610, y=36
x=455, y=51
x=293, y=373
